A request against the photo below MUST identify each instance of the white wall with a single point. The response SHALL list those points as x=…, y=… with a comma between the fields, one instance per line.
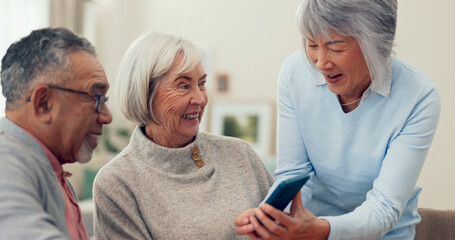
x=17, y=19
x=424, y=38
x=249, y=40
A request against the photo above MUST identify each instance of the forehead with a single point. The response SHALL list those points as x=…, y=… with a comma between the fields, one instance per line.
x=332, y=37
x=87, y=72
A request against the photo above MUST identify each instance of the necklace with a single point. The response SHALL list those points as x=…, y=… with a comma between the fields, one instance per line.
x=347, y=104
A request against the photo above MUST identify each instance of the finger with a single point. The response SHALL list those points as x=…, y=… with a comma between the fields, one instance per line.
x=246, y=229
x=270, y=224
x=278, y=216
x=261, y=232
x=296, y=203
x=254, y=236
x=242, y=219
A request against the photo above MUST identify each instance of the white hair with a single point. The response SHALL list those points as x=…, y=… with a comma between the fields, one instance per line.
x=372, y=23
x=148, y=59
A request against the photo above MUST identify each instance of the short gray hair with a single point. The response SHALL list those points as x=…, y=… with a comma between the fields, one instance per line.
x=371, y=22
x=43, y=53
x=148, y=59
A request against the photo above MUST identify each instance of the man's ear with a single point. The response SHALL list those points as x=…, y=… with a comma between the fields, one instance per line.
x=40, y=99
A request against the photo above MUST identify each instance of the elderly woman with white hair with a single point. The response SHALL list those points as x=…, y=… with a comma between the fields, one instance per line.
x=172, y=181
x=355, y=118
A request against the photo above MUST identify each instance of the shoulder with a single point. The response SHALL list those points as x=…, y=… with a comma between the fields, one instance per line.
x=230, y=148
x=407, y=74
x=297, y=69
x=118, y=162
x=222, y=142
x=410, y=82
x=236, y=152
x=20, y=153
x=414, y=93
x=294, y=62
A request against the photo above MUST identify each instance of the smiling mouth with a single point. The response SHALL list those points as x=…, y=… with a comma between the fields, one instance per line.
x=334, y=76
x=190, y=116
x=92, y=139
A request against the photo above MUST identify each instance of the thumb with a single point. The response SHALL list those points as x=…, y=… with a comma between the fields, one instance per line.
x=296, y=203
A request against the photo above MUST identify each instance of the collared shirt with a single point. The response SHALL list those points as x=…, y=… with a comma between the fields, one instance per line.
x=380, y=85
x=74, y=222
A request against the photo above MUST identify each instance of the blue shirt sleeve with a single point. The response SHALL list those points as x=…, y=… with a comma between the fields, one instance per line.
x=292, y=157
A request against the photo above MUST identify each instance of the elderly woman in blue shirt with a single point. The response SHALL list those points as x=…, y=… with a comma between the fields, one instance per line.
x=358, y=120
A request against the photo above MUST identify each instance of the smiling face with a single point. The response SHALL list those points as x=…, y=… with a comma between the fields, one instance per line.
x=341, y=62
x=75, y=120
x=178, y=107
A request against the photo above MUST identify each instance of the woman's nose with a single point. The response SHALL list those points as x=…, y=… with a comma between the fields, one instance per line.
x=198, y=97
x=323, y=61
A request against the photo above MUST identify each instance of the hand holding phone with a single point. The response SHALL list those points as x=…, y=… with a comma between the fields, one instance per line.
x=286, y=191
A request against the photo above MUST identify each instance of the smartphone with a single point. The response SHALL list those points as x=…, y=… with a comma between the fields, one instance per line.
x=286, y=191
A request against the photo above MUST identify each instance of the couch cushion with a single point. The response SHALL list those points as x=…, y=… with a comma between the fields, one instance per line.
x=436, y=224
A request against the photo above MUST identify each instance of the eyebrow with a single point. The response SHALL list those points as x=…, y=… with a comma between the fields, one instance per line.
x=188, y=78
x=329, y=42
x=335, y=41
x=203, y=76
x=99, y=86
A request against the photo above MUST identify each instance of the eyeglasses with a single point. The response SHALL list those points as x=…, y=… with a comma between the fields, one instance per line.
x=101, y=100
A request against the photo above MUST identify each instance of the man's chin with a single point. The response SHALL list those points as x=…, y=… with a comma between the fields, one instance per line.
x=83, y=160
x=85, y=153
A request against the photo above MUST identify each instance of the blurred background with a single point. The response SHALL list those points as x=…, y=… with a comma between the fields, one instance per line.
x=245, y=42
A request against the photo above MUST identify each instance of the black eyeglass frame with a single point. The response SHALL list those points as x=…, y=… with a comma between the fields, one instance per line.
x=101, y=100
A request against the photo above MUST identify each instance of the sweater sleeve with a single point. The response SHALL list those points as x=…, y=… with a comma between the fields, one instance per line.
x=292, y=157
x=263, y=177
x=21, y=207
x=116, y=213
x=397, y=179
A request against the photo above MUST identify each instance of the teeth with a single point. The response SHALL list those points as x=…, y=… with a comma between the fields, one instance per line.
x=190, y=116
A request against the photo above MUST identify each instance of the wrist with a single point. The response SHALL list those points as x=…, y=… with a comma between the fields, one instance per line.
x=322, y=229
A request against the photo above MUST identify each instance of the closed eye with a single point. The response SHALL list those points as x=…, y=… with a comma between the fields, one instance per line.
x=336, y=51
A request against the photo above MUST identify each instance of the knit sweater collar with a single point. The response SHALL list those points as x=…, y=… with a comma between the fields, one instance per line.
x=171, y=160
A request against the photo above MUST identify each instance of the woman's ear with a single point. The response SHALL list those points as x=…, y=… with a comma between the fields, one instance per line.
x=41, y=103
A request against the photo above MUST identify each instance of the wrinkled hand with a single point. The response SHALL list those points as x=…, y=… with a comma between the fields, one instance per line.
x=244, y=226
x=274, y=224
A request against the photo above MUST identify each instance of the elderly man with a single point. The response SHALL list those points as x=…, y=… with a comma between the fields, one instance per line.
x=55, y=110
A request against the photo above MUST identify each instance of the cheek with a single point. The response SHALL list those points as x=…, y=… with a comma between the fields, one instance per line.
x=168, y=108
x=203, y=107
x=311, y=55
x=358, y=69
x=204, y=94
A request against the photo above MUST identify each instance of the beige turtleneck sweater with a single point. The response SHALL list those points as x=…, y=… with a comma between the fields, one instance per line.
x=152, y=192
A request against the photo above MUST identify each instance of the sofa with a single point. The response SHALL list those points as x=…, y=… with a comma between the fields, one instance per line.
x=436, y=224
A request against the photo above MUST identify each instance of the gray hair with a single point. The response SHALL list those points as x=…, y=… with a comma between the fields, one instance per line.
x=145, y=64
x=41, y=54
x=372, y=23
